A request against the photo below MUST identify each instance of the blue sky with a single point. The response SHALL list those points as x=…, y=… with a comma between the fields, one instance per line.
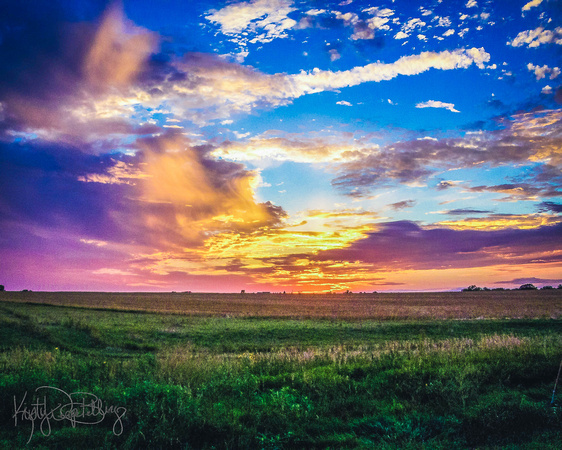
x=269, y=144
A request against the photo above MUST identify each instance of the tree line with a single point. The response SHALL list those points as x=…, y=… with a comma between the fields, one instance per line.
x=523, y=287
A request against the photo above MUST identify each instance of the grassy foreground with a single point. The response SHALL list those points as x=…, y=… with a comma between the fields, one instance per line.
x=189, y=381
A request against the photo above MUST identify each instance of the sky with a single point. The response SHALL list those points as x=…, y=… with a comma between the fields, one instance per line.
x=280, y=145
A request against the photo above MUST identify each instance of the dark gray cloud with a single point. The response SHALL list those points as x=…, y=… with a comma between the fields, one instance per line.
x=445, y=185
x=403, y=204
x=465, y=211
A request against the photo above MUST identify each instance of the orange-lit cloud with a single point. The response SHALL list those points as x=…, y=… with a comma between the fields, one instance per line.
x=296, y=148
x=502, y=221
x=177, y=197
x=277, y=256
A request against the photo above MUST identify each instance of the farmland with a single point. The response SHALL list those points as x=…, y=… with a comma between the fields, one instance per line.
x=447, y=370
x=414, y=306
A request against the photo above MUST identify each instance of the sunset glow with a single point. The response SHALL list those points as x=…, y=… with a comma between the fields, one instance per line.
x=280, y=145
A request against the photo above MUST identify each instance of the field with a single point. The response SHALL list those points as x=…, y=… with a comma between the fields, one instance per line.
x=448, y=370
x=415, y=306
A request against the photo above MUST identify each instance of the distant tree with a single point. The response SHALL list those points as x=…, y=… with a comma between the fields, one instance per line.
x=547, y=287
x=527, y=287
x=472, y=288
x=1, y=287
x=560, y=286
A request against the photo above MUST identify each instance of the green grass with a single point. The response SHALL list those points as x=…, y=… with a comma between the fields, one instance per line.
x=218, y=382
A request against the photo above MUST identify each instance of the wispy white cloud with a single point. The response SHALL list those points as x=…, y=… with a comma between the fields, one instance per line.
x=315, y=12
x=256, y=21
x=536, y=37
x=443, y=21
x=295, y=147
x=365, y=28
x=343, y=103
x=320, y=80
x=437, y=104
x=412, y=24
x=120, y=173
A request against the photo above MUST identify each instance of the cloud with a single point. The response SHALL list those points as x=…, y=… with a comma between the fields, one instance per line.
x=437, y=104
x=471, y=4
x=446, y=185
x=120, y=173
x=365, y=29
x=334, y=54
x=519, y=191
x=262, y=20
x=531, y=280
x=405, y=245
x=76, y=75
x=343, y=103
x=201, y=195
x=118, y=51
x=285, y=256
x=321, y=80
x=169, y=196
x=40, y=195
x=531, y=4
x=526, y=139
x=95, y=92
x=541, y=72
x=549, y=206
x=501, y=222
x=227, y=88
x=292, y=147
x=412, y=24
x=537, y=37
x=443, y=21
x=403, y=205
x=462, y=212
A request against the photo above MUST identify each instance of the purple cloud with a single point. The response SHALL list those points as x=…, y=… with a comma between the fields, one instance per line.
x=406, y=245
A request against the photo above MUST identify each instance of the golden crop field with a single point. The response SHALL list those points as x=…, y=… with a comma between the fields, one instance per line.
x=383, y=306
